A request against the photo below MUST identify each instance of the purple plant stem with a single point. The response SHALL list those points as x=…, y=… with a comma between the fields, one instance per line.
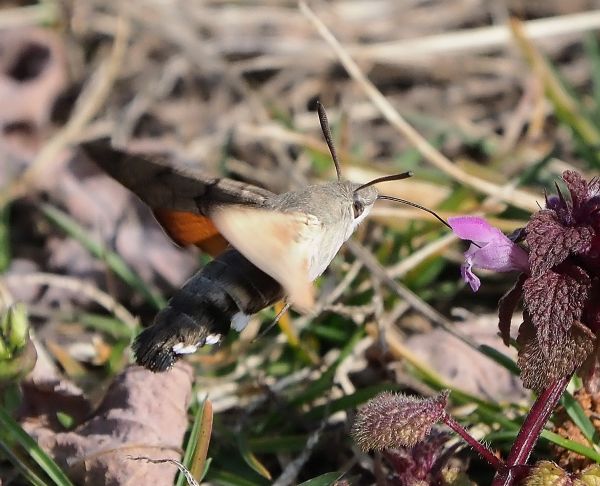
x=530, y=432
x=488, y=455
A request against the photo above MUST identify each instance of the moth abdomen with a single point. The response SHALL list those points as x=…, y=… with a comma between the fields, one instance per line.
x=186, y=324
x=222, y=295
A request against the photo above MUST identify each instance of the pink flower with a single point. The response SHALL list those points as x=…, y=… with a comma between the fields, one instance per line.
x=490, y=249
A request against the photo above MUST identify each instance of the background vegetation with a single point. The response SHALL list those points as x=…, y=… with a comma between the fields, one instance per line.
x=232, y=86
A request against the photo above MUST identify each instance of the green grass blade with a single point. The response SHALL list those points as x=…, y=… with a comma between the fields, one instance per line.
x=430, y=377
x=12, y=430
x=196, y=450
x=283, y=443
x=326, y=479
x=22, y=465
x=250, y=459
x=500, y=358
x=191, y=445
x=511, y=435
x=327, y=332
x=108, y=325
x=571, y=445
x=536, y=171
x=112, y=259
x=579, y=417
x=228, y=478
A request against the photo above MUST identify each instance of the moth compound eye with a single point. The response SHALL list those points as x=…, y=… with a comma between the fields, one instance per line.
x=358, y=209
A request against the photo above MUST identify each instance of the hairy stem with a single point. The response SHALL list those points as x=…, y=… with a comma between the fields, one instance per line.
x=530, y=432
x=488, y=455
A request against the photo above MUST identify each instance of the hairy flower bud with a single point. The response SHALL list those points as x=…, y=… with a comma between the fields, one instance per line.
x=546, y=473
x=590, y=476
x=393, y=420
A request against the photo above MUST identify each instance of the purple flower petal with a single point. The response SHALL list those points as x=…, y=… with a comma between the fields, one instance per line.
x=500, y=255
x=469, y=277
x=491, y=249
x=473, y=228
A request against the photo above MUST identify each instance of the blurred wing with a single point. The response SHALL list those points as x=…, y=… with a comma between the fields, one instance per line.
x=181, y=198
x=186, y=228
x=280, y=244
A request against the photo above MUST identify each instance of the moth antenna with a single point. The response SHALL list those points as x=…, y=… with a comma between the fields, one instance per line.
x=327, y=134
x=393, y=177
x=415, y=205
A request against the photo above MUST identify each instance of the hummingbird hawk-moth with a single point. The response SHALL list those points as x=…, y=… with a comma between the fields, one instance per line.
x=266, y=246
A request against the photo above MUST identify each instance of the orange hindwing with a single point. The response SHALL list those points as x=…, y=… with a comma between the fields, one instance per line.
x=186, y=228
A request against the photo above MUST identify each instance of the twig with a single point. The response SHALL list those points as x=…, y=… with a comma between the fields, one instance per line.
x=77, y=286
x=187, y=474
x=393, y=315
x=352, y=363
x=478, y=39
x=272, y=131
x=328, y=299
x=291, y=471
x=172, y=19
x=515, y=197
x=416, y=303
x=356, y=313
x=417, y=257
x=425, y=49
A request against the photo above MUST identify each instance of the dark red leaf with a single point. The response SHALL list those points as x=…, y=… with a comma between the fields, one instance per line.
x=551, y=242
x=506, y=307
x=421, y=464
x=540, y=366
x=554, y=300
x=578, y=187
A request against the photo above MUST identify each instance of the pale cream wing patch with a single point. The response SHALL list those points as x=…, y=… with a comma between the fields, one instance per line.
x=280, y=244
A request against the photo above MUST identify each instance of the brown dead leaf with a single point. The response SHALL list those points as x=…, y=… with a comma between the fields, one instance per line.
x=464, y=367
x=46, y=392
x=142, y=414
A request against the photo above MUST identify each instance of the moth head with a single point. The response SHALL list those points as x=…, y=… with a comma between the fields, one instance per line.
x=364, y=196
x=363, y=200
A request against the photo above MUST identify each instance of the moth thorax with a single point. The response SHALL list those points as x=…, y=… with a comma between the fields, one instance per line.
x=329, y=242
